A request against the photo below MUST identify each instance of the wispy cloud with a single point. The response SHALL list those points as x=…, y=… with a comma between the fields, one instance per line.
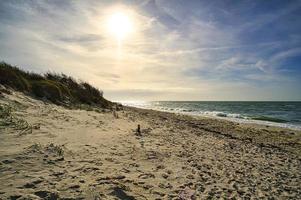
x=151, y=9
x=192, y=49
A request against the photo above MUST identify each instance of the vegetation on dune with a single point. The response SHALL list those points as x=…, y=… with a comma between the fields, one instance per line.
x=56, y=150
x=9, y=120
x=57, y=88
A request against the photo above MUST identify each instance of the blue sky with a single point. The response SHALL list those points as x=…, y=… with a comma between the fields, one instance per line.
x=178, y=50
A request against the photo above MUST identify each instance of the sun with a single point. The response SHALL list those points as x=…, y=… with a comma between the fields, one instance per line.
x=120, y=25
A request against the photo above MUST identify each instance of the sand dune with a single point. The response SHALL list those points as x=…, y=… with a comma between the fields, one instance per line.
x=50, y=152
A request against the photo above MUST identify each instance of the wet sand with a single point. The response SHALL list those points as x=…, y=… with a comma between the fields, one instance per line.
x=51, y=152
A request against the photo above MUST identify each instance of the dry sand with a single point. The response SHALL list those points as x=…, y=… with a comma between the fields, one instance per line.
x=50, y=152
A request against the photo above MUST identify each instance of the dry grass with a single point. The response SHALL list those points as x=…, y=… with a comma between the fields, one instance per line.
x=51, y=148
x=9, y=120
x=57, y=88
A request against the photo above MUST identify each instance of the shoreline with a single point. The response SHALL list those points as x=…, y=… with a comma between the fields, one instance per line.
x=223, y=125
x=243, y=120
x=81, y=154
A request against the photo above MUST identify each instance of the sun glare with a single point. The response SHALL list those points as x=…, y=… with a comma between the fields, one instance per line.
x=120, y=25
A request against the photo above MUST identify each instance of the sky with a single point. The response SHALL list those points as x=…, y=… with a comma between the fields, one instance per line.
x=175, y=49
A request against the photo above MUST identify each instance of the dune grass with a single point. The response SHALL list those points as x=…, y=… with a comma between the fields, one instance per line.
x=57, y=88
x=52, y=148
x=9, y=120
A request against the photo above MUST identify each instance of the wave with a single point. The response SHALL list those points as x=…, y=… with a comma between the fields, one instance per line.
x=223, y=114
x=239, y=116
x=261, y=120
x=269, y=119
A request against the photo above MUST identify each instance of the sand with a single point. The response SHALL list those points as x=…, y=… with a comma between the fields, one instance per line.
x=51, y=152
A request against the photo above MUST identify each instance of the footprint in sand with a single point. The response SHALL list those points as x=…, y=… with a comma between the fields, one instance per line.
x=146, y=175
x=44, y=194
x=8, y=161
x=31, y=184
x=121, y=194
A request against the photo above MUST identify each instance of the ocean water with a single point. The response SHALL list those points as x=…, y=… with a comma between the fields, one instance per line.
x=284, y=114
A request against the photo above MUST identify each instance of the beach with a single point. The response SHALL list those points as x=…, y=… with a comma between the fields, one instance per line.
x=52, y=152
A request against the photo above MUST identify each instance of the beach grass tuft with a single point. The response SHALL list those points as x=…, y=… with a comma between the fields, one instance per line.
x=8, y=119
x=51, y=148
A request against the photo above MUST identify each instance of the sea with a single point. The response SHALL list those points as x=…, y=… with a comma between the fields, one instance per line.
x=282, y=114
